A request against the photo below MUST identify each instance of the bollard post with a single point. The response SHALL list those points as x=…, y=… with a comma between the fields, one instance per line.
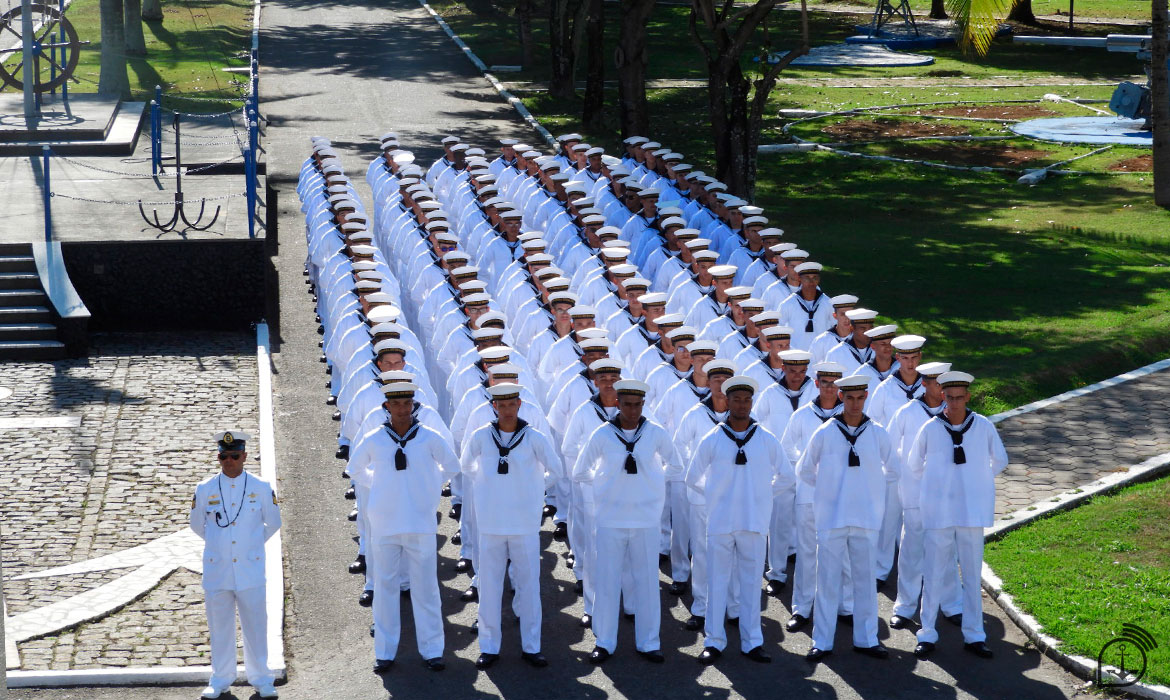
x=250, y=185
x=45, y=153
x=154, y=139
x=62, y=40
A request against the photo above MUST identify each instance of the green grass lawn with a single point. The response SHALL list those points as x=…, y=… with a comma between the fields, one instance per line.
x=1084, y=572
x=185, y=53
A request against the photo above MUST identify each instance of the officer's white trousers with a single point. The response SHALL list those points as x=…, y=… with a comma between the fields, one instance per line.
x=221, y=606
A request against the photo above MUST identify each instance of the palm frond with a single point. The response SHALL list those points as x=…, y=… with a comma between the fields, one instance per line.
x=978, y=21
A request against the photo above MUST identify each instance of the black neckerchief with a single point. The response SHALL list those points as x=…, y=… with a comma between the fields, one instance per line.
x=851, y=434
x=506, y=448
x=794, y=394
x=863, y=356
x=894, y=367
x=721, y=308
x=411, y=432
x=716, y=417
x=414, y=411
x=826, y=413
x=681, y=373
x=956, y=434
x=931, y=412
x=631, y=463
x=700, y=392
x=908, y=389
x=753, y=255
x=740, y=457
x=777, y=375
x=601, y=411
x=810, y=308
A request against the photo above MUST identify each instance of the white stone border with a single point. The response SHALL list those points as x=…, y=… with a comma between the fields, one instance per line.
x=1048, y=645
x=1052, y=400
x=273, y=571
x=482, y=67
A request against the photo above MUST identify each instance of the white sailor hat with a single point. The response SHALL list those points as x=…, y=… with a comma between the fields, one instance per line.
x=592, y=333
x=670, y=211
x=558, y=284
x=477, y=299
x=722, y=272
x=337, y=189
x=807, y=268
x=549, y=272
x=843, y=300
x=624, y=270
x=755, y=221
x=631, y=387
x=681, y=167
x=460, y=147
x=537, y=258
x=332, y=168
x=509, y=142
x=670, y=320
x=699, y=176
x=829, y=369
x=469, y=286
x=715, y=186
x=609, y=231
x=575, y=186
x=853, y=383
x=437, y=224
x=360, y=236
x=569, y=137
x=399, y=390
x=673, y=221
x=613, y=253
x=933, y=369
x=429, y=205
x=652, y=299
x=634, y=140
x=363, y=265
x=741, y=382
x=885, y=332
x=529, y=154
x=582, y=311
x=395, y=375
x=618, y=170
x=606, y=365
x=696, y=244
x=383, y=314
x=593, y=220
x=559, y=177
x=771, y=232
x=528, y=235
x=595, y=151
x=862, y=315
x=494, y=355
x=465, y=271
x=908, y=343
x=581, y=147
x=680, y=334
x=363, y=251
x=475, y=151
x=563, y=297
x=724, y=367
x=651, y=191
x=774, y=332
x=369, y=274
x=705, y=255
x=955, y=378
x=342, y=203
x=446, y=236
x=651, y=145
x=504, y=392
x=780, y=248
x=583, y=202
x=596, y=345
x=504, y=370
x=455, y=255
x=703, y=347
x=750, y=210
x=364, y=286
x=485, y=333
x=688, y=234
x=752, y=304
x=796, y=357
x=511, y=214
x=795, y=254
x=726, y=197
x=493, y=316
x=391, y=345
x=634, y=284
x=449, y=139
x=537, y=244
x=389, y=329
x=231, y=439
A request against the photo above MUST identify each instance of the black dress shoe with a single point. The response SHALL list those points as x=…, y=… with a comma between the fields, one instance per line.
x=678, y=587
x=654, y=657
x=979, y=649
x=877, y=651
x=881, y=583
x=924, y=649
x=570, y=560
x=446, y=490
x=586, y=621
x=815, y=654
x=535, y=659
x=897, y=622
x=371, y=630
x=457, y=538
x=758, y=655
x=345, y=473
x=322, y=358
x=463, y=565
x=487, y=660
x=846, y=620
x=331, y=401
x=358, y=566
x=456, y=511
x=956, y=619
x=598, y=655
x=694, y=623
x=351, y=494
x=336, y=415
x=353, y=515
x=366, y=599
x=405, y=592
x=561, y=531
x=773, y=588
x=796, y=623
x=470, y=595
x=328, y=370
x=436, y=664
x=328, y=383
x=548, y=511
x=382, y=665
x=475, y=627
x=709, y=655
x=342, y=452
x=579, y=586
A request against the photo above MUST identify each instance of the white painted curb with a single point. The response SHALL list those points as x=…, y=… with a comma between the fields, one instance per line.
x=1052, y=400
x=482, y=67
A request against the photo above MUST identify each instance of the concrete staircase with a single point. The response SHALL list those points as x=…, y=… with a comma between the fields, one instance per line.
x=28, y=328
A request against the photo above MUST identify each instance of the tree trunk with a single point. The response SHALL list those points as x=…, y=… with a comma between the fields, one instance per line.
x=152, y=10
x=591, y=114
x=1160, y=86
x=113, y=79
x=560, y=45
x=524, y=20
x=630, y=60
x=1021, y=12
x=938, y=9
x=135, y=41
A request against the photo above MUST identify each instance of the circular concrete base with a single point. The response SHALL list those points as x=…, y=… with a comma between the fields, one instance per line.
x=1096, y=130
x=874, y=55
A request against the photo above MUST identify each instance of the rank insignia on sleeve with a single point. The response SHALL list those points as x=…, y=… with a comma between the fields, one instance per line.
x=274, y=502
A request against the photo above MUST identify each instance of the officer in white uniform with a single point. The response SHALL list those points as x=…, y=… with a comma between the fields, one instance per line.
x=235, y=513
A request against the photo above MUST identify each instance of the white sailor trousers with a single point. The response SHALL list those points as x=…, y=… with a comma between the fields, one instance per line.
x=633, y=550
x=838, y=548
x=780, y=534
x=804, y=574
x=941, y=548
x=739, y=557
x=911, y=552
x=494, y=552
x=699, y=584
x=414, y=555
x=221, y=606
x=887, y=539
x=680, y=530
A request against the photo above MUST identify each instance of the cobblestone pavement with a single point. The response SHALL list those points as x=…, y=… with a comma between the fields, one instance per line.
x=1072, y=443
x=147, y=405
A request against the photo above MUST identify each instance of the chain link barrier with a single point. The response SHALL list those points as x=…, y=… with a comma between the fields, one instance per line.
x=168, y=202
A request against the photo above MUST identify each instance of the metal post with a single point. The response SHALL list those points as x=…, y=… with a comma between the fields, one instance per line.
x=45, y=153
x=156, y=128
x=61, y=40
x=29, y=76
x=155, y=138
x=250, y=184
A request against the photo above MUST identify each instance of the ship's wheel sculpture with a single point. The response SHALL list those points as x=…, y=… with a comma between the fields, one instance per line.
x=55, y=48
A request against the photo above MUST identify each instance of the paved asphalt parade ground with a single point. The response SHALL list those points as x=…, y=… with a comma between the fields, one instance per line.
x=350, y=73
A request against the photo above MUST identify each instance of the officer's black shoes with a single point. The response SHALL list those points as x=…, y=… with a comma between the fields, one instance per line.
x=709, y=655
x=758, y=655
x=876, y=651
x=796, y=623
x=486, y=660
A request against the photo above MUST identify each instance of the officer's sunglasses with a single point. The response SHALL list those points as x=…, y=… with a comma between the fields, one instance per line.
x=230, y=455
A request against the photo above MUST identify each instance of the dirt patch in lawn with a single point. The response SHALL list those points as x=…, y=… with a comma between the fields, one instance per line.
x=1138, y=164
x=874, y=129
x=991, y=155
x=994, y=111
